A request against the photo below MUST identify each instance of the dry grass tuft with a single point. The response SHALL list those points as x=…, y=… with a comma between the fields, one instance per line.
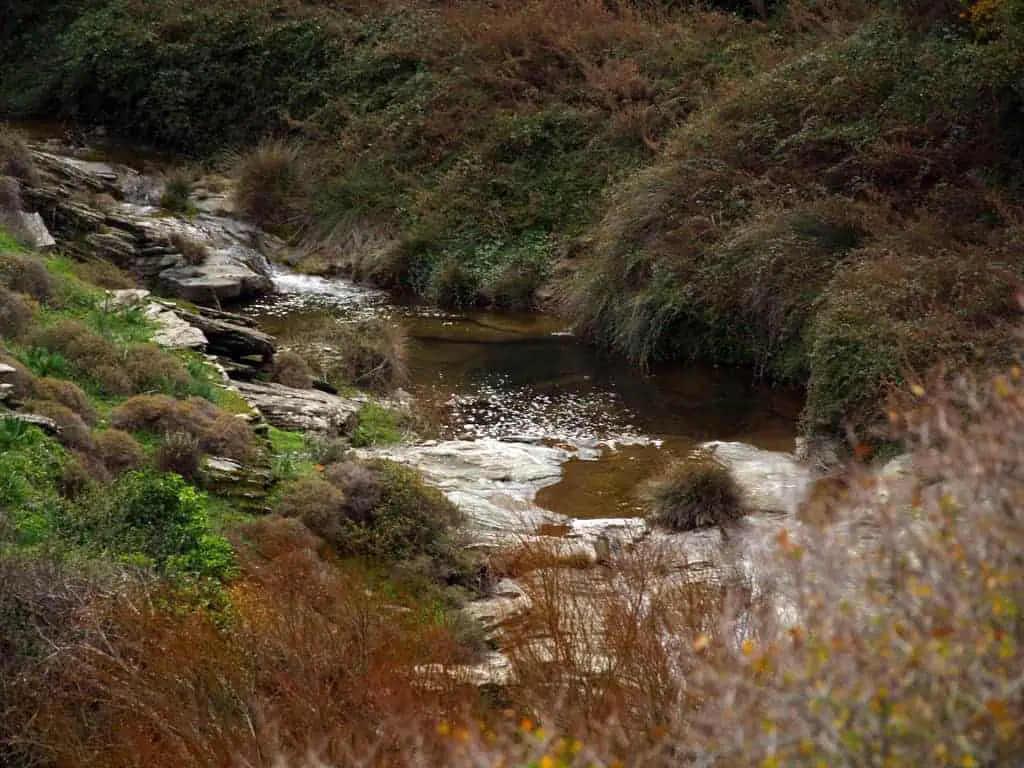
x=16, y=314
x=16, y=158
x=74, y=432
x=217, y=432
x=25, y=274
x=68, y=394
x=292, y=370
x=119, y=451
x=272, y=185
x=179, y=452
x=689, y=497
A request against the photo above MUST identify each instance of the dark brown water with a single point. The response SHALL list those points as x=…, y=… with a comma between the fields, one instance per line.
x=509, y=375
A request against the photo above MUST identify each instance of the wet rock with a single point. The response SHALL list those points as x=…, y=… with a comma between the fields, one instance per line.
x=494, y=671
x=771, y=480
x=301, y=410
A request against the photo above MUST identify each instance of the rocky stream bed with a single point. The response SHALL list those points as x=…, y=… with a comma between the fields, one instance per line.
x=545, y=443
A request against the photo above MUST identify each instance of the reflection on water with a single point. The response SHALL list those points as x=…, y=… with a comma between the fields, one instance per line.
x=506, y=375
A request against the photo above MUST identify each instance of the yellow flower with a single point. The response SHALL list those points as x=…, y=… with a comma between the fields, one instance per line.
x=547, y=762
x=443, y=728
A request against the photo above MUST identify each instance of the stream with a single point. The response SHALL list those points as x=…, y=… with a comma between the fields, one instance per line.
x=523, y=376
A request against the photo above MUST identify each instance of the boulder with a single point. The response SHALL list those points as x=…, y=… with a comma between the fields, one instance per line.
x=33, y=229
x=300, y=410
x=231, y=339
x=48, y=425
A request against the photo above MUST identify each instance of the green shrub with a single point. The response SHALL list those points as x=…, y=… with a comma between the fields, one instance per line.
x=272, y=185
x=376, y=425
x=150, y=368
x=161, y=518
x=515, y=288
x=383, y=512
x=119, y=451
x=177, y=193
x=686, y=497
x=454, y=286
x=16, y=314
x=68, y=394
x=906, y=304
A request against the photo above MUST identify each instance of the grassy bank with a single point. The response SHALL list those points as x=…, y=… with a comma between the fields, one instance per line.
x=118, y=540
x=814, y=190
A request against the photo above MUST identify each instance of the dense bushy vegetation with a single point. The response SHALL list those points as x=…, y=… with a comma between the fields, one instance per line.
x=766, y=161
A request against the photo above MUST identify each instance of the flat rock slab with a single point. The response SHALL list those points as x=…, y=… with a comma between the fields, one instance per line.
x=36, y=235
x=301, y=410
x=772, y=481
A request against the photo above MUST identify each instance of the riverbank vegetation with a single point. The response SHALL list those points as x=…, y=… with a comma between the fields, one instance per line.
x=812, y=190
x=736, y=183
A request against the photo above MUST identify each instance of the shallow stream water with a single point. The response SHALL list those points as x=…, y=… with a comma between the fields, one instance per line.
x=523, y=375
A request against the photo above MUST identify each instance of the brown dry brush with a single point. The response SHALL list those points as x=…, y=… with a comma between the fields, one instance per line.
x=312, y=659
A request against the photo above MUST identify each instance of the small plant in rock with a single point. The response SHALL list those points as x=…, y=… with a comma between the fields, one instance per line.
x=292, y=370
x=272, y=185
x=177, y=193
x=686, y=497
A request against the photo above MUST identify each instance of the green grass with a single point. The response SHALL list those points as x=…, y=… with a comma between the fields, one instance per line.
x=376, y=425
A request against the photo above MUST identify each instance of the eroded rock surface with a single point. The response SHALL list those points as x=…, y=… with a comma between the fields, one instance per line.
x=110, y=211
x=300, y=410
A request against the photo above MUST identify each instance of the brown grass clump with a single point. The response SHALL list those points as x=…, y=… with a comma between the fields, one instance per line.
x=292, y=370
x=68, y=394
x=218, y=432
x=687, y=497
x=16, y=158
x=74, y=432
x=318, y=504
x=272, y=185
x=81, y=474
x=316, y=660
x=179, y=453
x=372, y=354
x=16, y=314
x=151, y=368
x=22, y=379
x=361, y=486
x=177, y=193
x=24, y=274
x=119, y=451
x=104, y=274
